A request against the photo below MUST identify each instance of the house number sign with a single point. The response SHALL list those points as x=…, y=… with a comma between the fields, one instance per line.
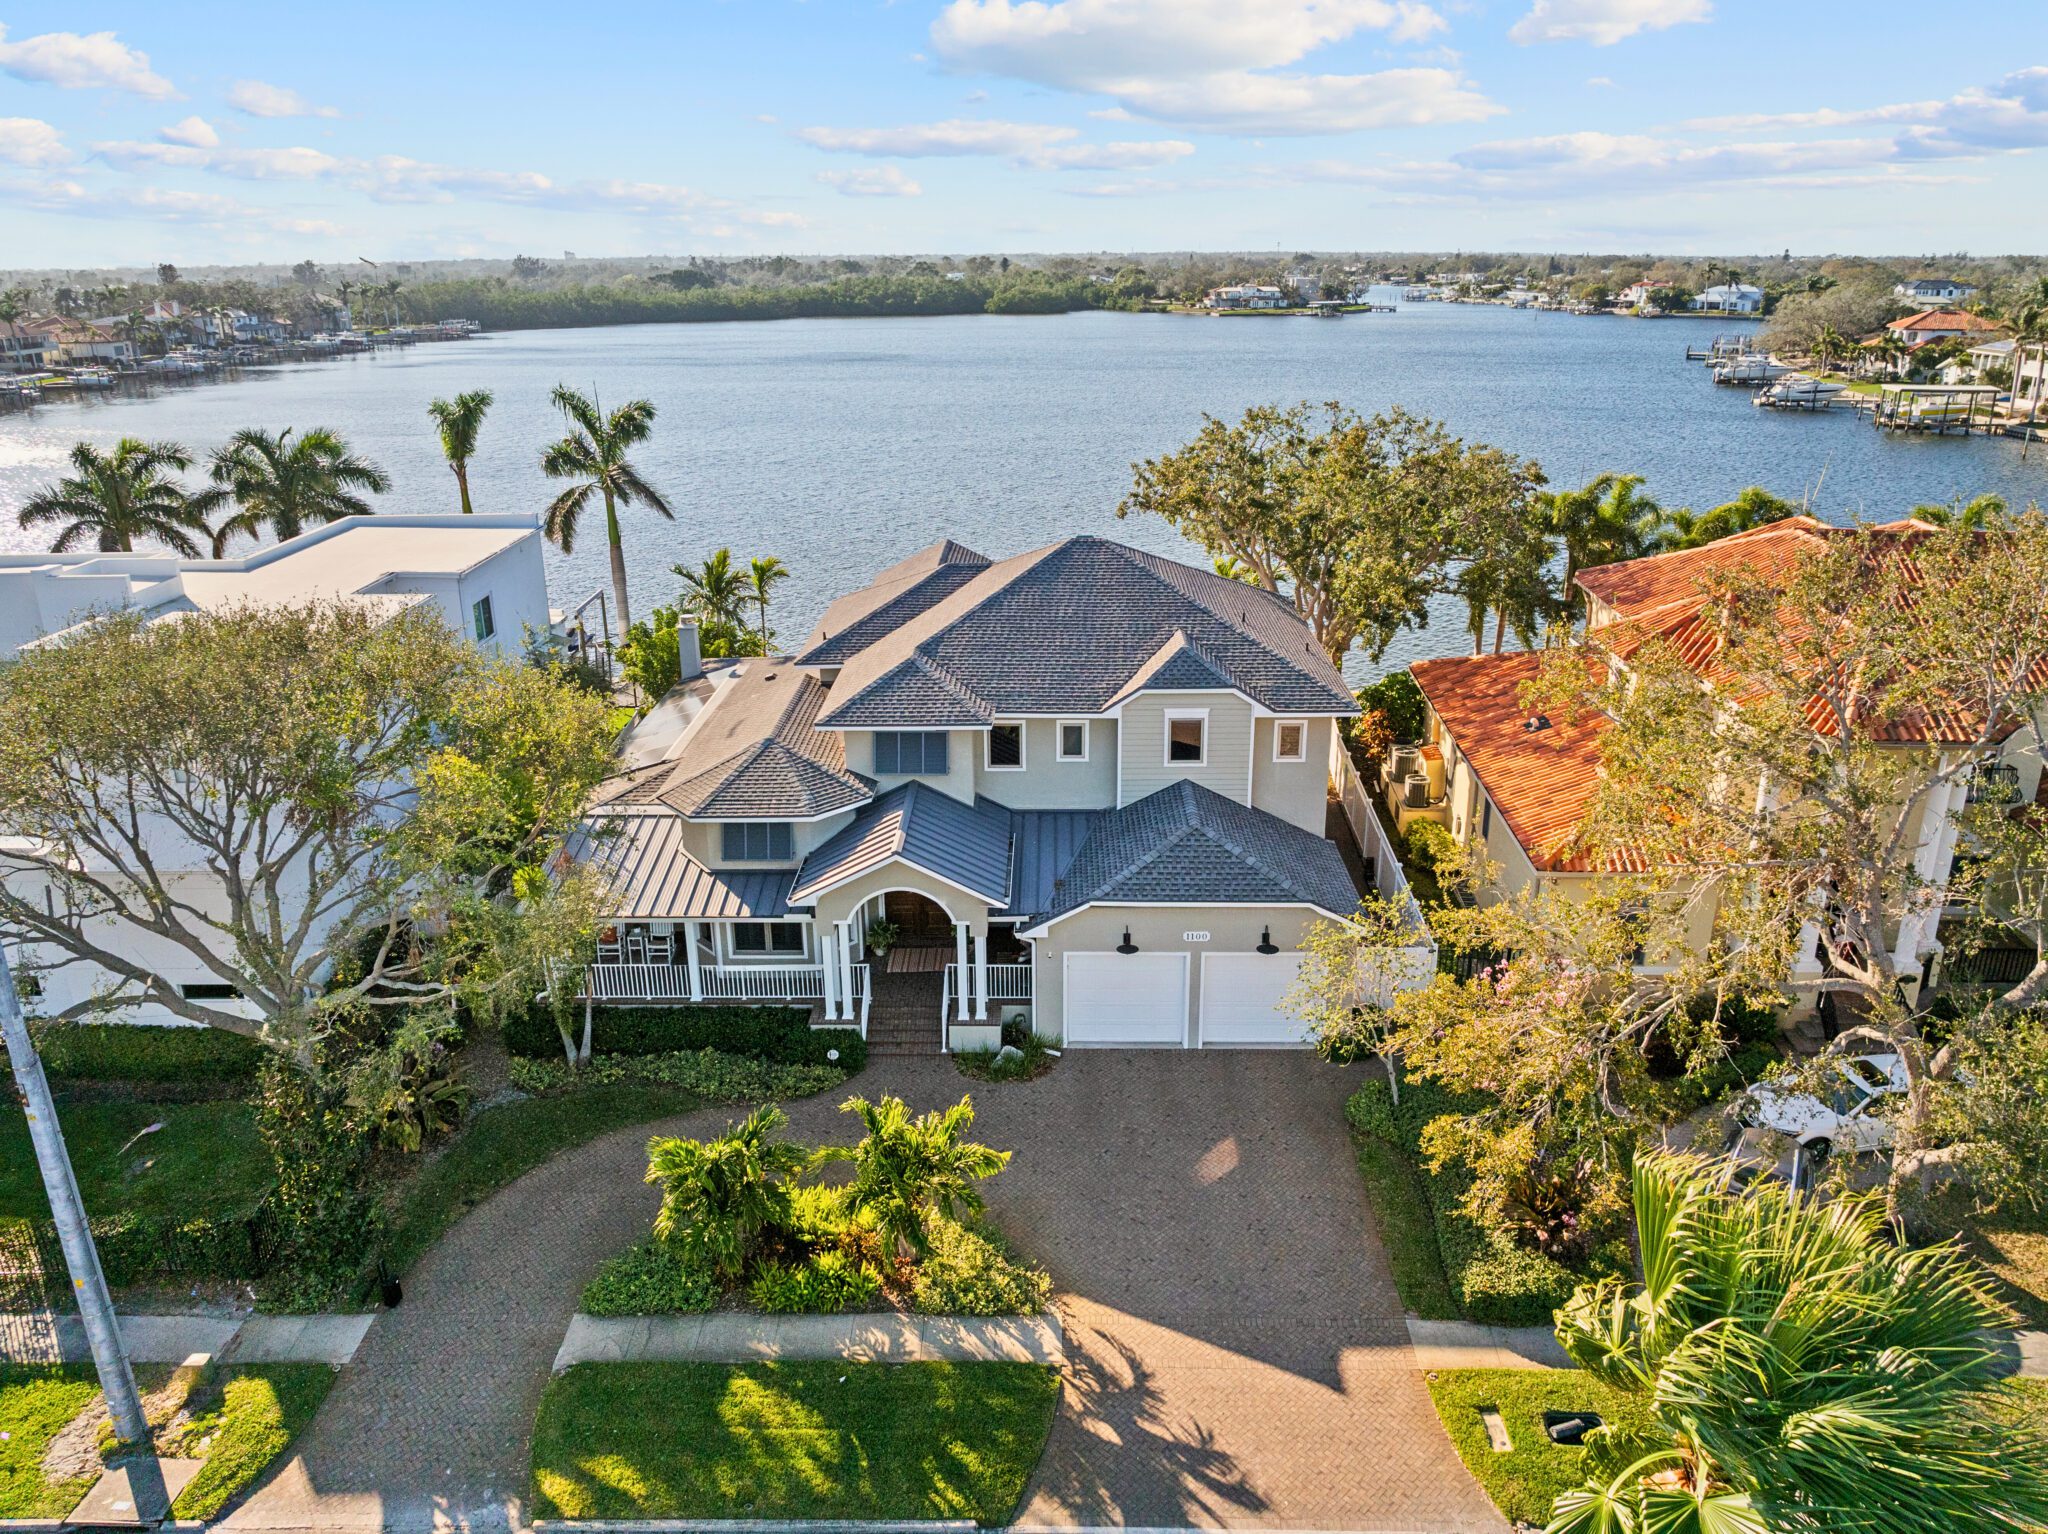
x=1194, y=937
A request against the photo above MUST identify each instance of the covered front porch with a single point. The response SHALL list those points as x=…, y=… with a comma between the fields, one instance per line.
x=712, y=961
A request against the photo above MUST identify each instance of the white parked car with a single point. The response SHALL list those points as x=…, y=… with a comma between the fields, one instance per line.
x=1847, y=1114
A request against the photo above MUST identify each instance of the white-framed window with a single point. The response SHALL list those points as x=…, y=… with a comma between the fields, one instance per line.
x=766, y=937
x=481, y=617
x=1005, y=751
x=1073, y=739
x=1187, y=738
x=1290, y=740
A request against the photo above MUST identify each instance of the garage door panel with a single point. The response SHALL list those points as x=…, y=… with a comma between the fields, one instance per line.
x=1243, y=997
x=1117, y=999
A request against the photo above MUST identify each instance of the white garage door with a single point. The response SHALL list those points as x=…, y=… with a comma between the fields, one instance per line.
x=1126, y=998
x=1242, y=996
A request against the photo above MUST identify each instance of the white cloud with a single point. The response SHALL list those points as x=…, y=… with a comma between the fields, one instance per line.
x=260, y=99
x=2013, y=114
x=871, y=181
x=1604, y=22
x=1141, y=186
x=194, y=132
x=100, y=61
x=31, y=141
x=1034, y=146
x=1601, y=83
x=1211, y=64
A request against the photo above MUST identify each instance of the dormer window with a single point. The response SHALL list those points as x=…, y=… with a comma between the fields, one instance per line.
x=1187, y=739
x=758, y=841
x=910, y=753
x=1006, y=746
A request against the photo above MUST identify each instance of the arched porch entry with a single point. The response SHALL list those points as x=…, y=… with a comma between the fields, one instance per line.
x=940, y=936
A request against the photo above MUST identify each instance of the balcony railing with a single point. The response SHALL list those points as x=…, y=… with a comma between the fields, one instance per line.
x=1995, y=784
x=720, y=982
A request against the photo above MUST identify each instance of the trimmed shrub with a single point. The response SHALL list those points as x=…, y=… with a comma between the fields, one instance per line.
x=649, y=1280
x=823, y=1284
x=197, y=1061
x=970, y=1272
x=781, y=1034
x=1508, y=1285
x=707, y=1072
x=134, y=1249
x=1370, y=1111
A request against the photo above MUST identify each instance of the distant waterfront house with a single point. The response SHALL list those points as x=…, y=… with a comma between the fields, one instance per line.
x=23, y=348
x=1245, y=295
x=1933, y=290
x=1084, y=785
x=1730, y=298
x=1635, y=295
x=1940, y=324
x=75, y=341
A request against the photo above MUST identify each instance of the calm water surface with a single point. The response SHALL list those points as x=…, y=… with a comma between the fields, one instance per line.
x=841, y=445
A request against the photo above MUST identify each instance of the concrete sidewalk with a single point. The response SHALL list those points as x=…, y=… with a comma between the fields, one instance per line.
x=730, y=1337
x=175, y=1339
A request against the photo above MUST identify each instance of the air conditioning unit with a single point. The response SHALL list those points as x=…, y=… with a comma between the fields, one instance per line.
x=1415, y=791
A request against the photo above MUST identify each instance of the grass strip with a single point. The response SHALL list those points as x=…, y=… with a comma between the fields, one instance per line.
x=1528, y=1478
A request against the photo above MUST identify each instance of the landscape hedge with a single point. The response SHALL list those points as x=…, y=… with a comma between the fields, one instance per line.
x=782, y=1035
x=134, y=1249
x=169, y=1061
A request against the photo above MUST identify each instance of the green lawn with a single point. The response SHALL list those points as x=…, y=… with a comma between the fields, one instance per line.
x=504, y=1143
x=775, y=1441
x=240, y=1421
x=1407, y=1230
x=205, y=1159
x=1524, y=1481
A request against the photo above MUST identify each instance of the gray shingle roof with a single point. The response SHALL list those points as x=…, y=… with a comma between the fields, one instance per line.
x=1177, y=665
x=1065, y=629
x=642, y=859
x=754, y=754
x=1186, y=843
x=966, y=845
x=889, y=601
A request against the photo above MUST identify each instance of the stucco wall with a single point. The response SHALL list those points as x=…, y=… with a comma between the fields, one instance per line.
x=836, y=905
x=1297, y=792
x=1227, y=770
x=1047, y=783
x=963, y=754
x=1157, y=929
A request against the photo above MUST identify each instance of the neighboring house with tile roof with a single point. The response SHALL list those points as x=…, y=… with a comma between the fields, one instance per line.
x=1940, y=324
x=1519, y=785
x=1095, y=779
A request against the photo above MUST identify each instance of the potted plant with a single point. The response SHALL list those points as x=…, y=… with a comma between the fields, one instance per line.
x=880, y=937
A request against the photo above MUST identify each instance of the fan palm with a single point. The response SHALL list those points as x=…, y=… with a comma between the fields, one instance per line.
x=764, y=574
x=1603, y=522
x=715, y=593
x=1754, y=507
x=1790, y=1367
x=1973, y=515
x=593, y=455
x=287, y=485
x=719, y=1196
x=906, y=1168
x=115, y=498
x=459, y=420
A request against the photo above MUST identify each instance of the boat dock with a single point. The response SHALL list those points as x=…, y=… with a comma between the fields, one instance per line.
x=1961, y=409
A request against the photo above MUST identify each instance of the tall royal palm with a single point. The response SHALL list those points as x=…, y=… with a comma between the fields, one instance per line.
x=116, y=498
x=764, y=574
x=286, y=484
x=1789, y=1366
x=593, y=456
x=458, y=421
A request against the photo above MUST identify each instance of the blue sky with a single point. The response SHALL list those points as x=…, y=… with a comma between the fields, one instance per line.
x=243, y=132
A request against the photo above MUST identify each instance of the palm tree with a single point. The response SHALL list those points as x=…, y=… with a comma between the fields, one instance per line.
x=1830, y=345
x=118, y=497
x=1753, y=508
x=288, y=485
x=1973, y=515
x=720, y=1196
x=715, y=592
x=1890, y=348
x=1602, y=522
x=764, y=574
x=2028, y=317
x=906, y=1168
x=459, y=420
x=594, y=456
x=1787, y=1365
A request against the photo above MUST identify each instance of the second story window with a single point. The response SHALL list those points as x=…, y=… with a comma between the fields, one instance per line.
x=1290, y=741
x=1187, y=740
x=758, y=841
x=481, y=618
x=910, y=752
x=1005, y=747
x=1073, y=740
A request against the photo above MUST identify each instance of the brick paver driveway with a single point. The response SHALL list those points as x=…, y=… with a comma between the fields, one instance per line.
x=1237, y=1352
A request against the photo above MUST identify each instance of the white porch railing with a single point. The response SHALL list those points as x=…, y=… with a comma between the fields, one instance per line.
x=1009, y=982
x=763, y=982
x=721, y=982
x=1006, y=982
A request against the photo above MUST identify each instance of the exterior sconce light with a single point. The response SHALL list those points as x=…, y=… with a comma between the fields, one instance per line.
x=1266, y=944
x=1127, y=946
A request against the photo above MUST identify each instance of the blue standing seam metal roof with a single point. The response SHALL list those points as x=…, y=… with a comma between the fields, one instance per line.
x=652, y=877
x=965, y=845
x=1189, y=844
x=1043, y=845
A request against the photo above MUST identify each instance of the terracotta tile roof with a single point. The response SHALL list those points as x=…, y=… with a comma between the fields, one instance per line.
x=1541, y=781
x=1943, y=319
x=1634, y=587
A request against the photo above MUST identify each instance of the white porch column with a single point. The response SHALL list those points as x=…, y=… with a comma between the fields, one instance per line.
x=828, y=966
x=960, y=963
x=691, y=929
x=848, y=1007
x=1930, y=866
x=1806, y=963
x=981, y=975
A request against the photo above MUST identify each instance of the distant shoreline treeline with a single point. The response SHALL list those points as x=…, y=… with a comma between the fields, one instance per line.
x=499, y=304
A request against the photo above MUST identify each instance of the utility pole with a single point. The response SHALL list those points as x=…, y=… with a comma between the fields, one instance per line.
x=81, y=1258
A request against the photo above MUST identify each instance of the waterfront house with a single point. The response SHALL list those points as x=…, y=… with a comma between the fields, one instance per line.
x=484, y=575
x=24, y=348
x=1635, y=295
x=1245, y=295
x=1940, y=324
x=1517, y=785
x=1729, y=298
x=1086, y=785
x=1933, y=292
x=78, y=341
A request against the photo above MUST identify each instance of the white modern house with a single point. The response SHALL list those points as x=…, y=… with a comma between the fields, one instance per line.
x=1085, y=785
x=1730, y=298
x=1246, y=295
x=482, y=575
x=1931, y=291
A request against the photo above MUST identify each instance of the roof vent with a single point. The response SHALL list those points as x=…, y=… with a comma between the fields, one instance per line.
x=1536, y=722
x=768, y=676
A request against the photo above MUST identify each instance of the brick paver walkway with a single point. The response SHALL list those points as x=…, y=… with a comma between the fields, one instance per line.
x=1237, y=1354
